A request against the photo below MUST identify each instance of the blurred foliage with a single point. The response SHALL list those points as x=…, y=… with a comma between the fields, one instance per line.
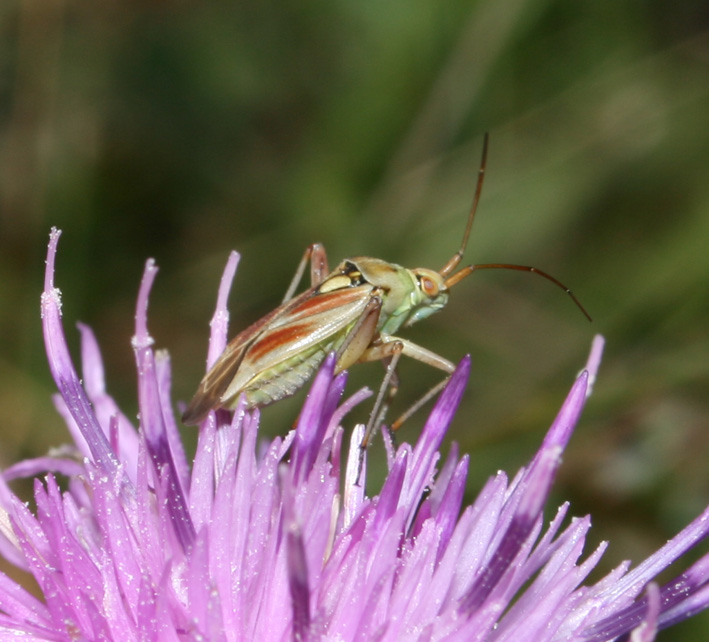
x=181, y=130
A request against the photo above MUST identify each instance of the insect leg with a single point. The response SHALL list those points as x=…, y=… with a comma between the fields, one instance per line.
x=317, y=257
x=394, y=382
x=391, y=352
x=359, y=338
x=410, y=349
x=393, y=347
x=423, y=400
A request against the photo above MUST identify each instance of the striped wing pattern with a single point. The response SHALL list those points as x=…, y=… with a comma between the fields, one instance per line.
x=273, y=358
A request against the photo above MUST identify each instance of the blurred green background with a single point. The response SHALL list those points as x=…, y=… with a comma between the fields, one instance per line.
x=182, y=130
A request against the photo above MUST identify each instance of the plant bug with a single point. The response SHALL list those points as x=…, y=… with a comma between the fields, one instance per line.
x=355, y=311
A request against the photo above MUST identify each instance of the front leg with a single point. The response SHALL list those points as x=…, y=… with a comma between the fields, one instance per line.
x=379, y=350
x=391, y=348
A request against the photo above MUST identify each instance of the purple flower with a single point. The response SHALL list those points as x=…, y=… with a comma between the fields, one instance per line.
x=277, y=542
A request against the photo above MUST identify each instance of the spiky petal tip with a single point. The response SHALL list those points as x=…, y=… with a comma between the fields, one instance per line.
x=279, y=541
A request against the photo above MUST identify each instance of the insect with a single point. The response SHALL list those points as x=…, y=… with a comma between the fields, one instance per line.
x=355, y=311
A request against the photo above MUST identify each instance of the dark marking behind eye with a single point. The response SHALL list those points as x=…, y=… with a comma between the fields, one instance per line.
x=351, y=270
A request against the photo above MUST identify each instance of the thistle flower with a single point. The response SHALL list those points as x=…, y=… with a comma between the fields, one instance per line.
x=279, y=542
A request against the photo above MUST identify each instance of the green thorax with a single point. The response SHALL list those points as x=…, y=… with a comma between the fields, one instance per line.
x=408, y=295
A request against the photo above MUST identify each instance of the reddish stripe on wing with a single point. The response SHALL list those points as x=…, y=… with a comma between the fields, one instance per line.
x=305, y=317
x=321, y=303
x=275, y=339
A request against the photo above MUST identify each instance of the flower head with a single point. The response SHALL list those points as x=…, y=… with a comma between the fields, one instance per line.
x=280, y=542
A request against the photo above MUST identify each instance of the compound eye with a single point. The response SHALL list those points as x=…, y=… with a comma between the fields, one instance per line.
x=428, y=286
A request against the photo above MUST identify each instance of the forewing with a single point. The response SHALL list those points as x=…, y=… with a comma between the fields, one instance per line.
x=306, y=323
x=281, y=335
